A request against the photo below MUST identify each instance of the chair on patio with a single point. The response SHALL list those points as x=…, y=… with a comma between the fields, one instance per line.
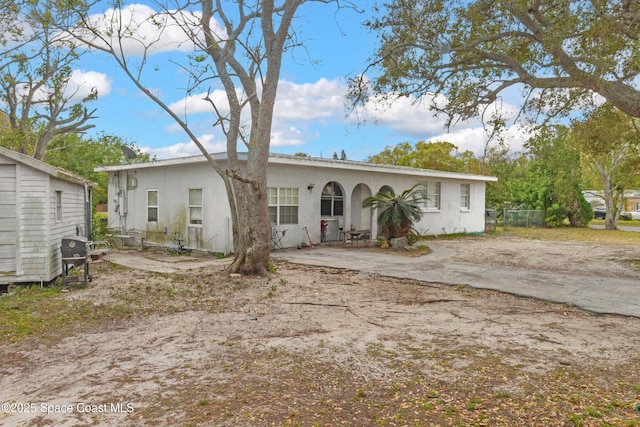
x=276, y=238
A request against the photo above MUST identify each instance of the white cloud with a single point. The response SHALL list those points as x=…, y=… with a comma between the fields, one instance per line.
x=303, y=111
x=144, y=30
x=287, y=137
x=183, y=149
x=404, y=115
x=197, y=104
x=472, y=139
x=413, y=119
x=475, y=139
x=297, y=107
x=309, y=101
x=81, y=84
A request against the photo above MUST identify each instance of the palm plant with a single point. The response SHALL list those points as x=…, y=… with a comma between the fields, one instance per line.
x=397, y=213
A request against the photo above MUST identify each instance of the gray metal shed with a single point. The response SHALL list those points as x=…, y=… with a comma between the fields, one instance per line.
x=39, y=205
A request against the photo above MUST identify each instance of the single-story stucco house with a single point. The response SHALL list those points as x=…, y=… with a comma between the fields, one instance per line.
x=39, y=205
x=185, y=198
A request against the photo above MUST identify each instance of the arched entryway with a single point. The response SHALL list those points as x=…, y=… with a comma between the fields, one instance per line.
x=360, y=217
x=332, y=209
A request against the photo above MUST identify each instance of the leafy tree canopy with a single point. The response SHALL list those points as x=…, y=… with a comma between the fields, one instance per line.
x=37, y=96
x=426, y=155
x=80, y=156
x=464, y=55
x=546, y=175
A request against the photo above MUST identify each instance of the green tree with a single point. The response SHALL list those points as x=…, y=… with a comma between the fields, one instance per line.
x=397, y=155
x=505, y=166
x=610, y=143
x=545, y=176
x=398, y=213
x=556, y=160
x=82, y=156
x=35, y=74
x=442, y=156
x=471, y=53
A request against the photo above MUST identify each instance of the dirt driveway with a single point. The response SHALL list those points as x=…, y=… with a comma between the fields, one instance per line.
x=320, y=346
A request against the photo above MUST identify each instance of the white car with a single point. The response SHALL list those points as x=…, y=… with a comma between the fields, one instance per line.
x=630, y=215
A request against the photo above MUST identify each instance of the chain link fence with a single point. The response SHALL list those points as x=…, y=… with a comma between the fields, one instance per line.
x=523, y=218
x=491, y=220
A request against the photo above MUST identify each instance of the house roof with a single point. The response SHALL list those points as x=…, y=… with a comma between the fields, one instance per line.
x=312, y=162
x=45, y=167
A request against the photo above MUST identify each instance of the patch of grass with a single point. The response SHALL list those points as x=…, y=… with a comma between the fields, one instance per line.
x=576, y=420
x=271, y=267
x=32, y=309
x=584, y=235
x=631, y=223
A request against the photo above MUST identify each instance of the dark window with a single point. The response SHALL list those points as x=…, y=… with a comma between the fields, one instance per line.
x=332, y=200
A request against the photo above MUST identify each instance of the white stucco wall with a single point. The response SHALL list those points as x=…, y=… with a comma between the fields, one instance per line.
x=448, y=219
x=127, y=207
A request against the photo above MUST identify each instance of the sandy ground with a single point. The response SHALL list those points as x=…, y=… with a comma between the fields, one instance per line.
x=192, y=329
x=568, y=257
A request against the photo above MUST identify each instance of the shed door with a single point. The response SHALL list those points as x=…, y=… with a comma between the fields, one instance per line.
x=8, y=222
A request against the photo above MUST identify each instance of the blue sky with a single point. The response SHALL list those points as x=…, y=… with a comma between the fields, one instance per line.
x=310, y=113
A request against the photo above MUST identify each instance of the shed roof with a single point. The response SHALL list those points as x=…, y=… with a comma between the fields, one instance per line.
x=46, y=168
x=311, y=162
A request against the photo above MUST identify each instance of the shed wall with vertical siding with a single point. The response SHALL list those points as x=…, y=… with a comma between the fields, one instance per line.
x=30, y=234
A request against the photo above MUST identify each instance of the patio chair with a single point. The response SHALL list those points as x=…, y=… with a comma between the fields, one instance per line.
x=276, y=238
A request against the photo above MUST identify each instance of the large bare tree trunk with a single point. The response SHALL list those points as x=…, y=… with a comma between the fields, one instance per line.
x=252, y=248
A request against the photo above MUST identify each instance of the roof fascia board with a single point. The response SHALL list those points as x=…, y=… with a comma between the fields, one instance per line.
x=372, y=167
x=284, y=159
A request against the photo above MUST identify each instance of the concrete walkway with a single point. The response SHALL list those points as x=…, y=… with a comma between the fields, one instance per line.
x=165, y=264
x=596, y=294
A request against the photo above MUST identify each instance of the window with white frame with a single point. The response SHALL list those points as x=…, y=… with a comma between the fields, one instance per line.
x=195, y=206
x=58, y=205
x=433, y=195
x=283, y=205
x=465, y=196
x=152, y=205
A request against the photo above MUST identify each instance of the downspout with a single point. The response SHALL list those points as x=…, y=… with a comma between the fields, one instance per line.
x=88, y=223
x=120, y=201
x=87, y=211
